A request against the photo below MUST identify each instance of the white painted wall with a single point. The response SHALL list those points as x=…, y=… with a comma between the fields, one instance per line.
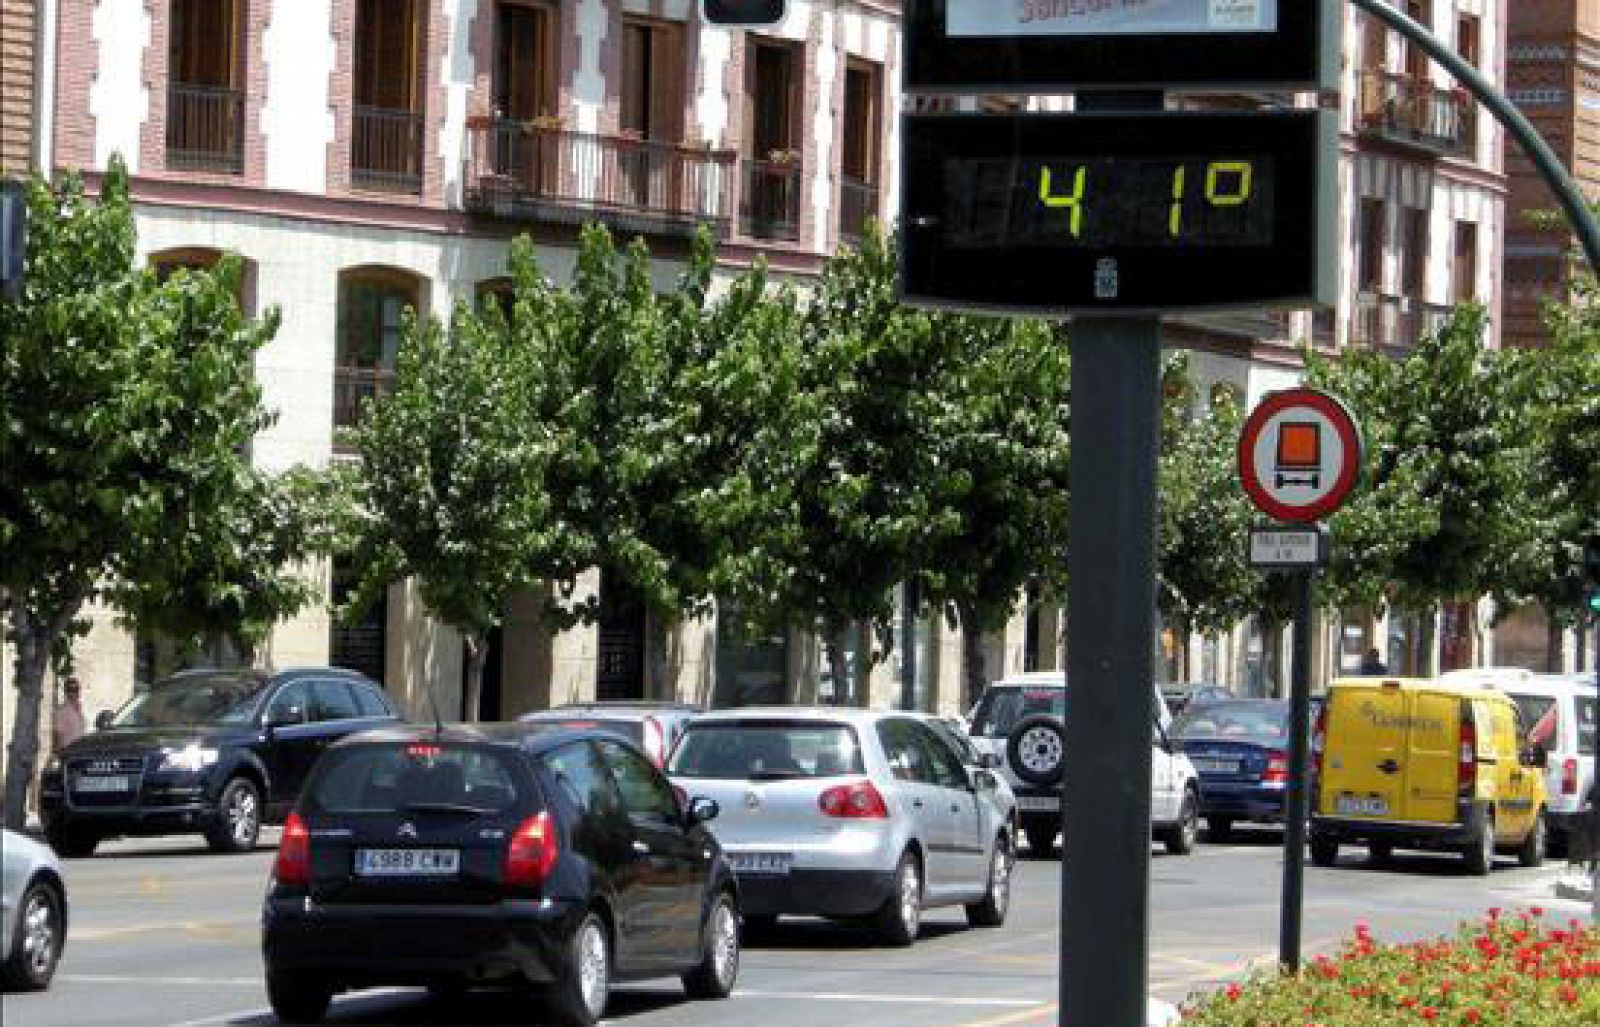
x=711, y=106
x=589, y=84
x=821, y=158
x=118, y=98
x=297, y=116
x=457, y=71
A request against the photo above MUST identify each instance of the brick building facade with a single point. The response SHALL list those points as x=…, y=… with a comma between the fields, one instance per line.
x=1554, y=77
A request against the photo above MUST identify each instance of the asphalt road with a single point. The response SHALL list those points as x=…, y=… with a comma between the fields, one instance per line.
x=165, y=933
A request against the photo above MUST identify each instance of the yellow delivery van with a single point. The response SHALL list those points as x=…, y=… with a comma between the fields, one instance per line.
x=1425, y=764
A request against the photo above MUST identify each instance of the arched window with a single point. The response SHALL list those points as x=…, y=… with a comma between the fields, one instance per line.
x=204, y=258
x=372, y=304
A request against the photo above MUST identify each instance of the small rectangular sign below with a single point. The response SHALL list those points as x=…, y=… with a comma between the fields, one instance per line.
x=1288, y=548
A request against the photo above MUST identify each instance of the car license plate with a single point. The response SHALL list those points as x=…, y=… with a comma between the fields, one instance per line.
x=1361, y=806
x=408, y=862
x=768, y=863
x=1217, y=766
x=1038, y=803
x=110, y=783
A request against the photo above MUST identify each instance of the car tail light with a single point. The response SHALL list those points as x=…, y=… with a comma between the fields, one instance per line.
x=655, y=742
x=293, y=866
x=532, y=851
x=1277, y=767
x=1569, y=777
x=855, y=801
x=1467, y=758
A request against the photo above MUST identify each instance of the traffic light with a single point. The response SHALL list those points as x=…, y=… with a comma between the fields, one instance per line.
x=743, y=12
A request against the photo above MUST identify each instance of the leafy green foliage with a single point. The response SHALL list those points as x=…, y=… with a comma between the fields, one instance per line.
x=129, y=407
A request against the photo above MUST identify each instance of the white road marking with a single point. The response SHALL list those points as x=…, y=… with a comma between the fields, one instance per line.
x=924, y=1000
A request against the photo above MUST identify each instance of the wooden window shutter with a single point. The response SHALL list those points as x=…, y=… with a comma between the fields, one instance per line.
x=666, y=88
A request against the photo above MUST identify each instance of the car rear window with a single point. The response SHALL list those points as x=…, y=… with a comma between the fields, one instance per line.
x=632, y=730
x=1003, y=707
x=1257, y=723
x=766, y=750
x=397, y=777
x=1587, y=735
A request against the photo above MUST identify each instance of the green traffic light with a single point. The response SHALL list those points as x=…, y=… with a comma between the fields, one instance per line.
x=1592, y=602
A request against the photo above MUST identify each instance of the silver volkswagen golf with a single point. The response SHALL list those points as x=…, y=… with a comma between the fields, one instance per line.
x=850, y=814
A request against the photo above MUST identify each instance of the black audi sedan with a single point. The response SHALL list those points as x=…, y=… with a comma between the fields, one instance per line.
x=215, y=752
x=446, y=858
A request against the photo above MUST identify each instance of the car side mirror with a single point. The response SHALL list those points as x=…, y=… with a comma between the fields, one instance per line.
x=985, y=780
x=1535, y=757
x=702, y=810
x=989, y=760
x=102, y=720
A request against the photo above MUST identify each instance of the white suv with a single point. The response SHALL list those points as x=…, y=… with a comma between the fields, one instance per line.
x=1558, y=714
x=1018, y=721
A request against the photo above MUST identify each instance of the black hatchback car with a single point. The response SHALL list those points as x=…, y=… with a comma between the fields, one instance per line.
x=492, y=854
x=218, y=752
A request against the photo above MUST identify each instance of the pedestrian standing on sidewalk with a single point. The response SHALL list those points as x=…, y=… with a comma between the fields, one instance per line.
x=67, y=722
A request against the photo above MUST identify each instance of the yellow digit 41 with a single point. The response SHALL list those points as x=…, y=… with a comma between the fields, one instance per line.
x=1072, y=200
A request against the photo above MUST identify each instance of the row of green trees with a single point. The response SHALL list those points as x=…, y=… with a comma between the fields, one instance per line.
x=796, y=456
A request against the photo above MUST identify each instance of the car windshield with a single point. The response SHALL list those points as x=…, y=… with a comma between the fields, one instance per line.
x=193, y=701
x=413, y=777
x=1541, y=719
x=1003, y=707
x=1258, y=723
x=766, y=750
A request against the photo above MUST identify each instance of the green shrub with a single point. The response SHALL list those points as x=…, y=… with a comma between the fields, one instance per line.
x=1503, y=970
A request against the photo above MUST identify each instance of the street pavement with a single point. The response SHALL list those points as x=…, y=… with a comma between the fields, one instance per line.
x=164, y=932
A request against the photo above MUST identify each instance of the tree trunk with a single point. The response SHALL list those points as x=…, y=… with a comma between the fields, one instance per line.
x=1427, y=643
x=34, y=637
x=1553, y=637
x=973, y=671
x=1272, y=677
x=658, y=686
x=833, y=648
x=475, y=655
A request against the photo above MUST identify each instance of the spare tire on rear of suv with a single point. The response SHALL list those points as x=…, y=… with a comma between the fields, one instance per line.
x=1035, y=748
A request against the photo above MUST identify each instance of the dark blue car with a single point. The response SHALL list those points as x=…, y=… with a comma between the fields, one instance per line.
x=1240, y=747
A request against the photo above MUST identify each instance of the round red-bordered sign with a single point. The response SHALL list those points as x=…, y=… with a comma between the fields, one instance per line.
x=1299, y=455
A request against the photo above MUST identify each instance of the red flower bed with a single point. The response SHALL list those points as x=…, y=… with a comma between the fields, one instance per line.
x=1514, y=969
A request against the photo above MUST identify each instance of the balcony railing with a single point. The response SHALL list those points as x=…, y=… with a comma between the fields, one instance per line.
x=1395, y=323
x=1404, y=109
x=352, y=387
x=548, y=173
x=205, y=128
x=771, y=204
x=386, y=150
x=858, y=204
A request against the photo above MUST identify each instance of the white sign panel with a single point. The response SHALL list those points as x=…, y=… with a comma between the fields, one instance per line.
x=998, y=18
x=1271, y=547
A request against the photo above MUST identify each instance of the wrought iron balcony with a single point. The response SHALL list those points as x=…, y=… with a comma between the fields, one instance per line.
x=205, y=128
x=548, y=173
x=771, y=199
x=1413, y=112
x=386, y=150
x=1395, y=323
x=858, y=204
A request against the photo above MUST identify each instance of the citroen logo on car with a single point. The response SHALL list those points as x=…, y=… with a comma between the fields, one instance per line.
x=407, y=830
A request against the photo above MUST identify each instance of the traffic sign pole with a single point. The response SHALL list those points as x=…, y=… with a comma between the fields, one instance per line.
x=1294, y=821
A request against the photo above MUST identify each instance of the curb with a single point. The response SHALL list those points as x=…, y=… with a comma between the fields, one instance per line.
x=1575, y=888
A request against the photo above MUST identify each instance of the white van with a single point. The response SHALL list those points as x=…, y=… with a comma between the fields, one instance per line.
x=1559, y=714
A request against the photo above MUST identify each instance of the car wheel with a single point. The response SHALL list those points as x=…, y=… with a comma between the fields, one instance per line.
x=1380, y=852
x=579, y=995
x=1035, y=749
x=298, y=999
x=897, y=922
x=1041, y=837
x=1324, y=851
x=237, y=823
x=1181, y=837
x=715, y=976
x=36, y=940
x=1218, y=828
x=1531, y=852
x=991, y=912
x=72, y=841
x=1479, y=853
